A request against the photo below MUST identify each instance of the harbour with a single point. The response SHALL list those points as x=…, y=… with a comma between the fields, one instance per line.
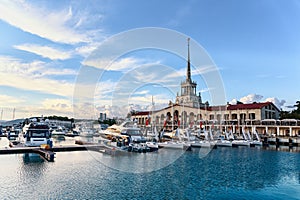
x=154, y=100
x=216, y=176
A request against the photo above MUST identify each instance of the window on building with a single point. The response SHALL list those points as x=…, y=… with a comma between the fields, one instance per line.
x=251, y=116
x=226, y=116
x=234, y=116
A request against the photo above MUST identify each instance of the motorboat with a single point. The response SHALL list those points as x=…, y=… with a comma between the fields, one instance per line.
x=153, y=146
x=272, y=140
x=223, y=143
x=174, y=145
x=240, y=143
x=86, y=132
x=35, y=134
x=296, y=141
x=201, y=144
x=59, y=131
x=129, y=139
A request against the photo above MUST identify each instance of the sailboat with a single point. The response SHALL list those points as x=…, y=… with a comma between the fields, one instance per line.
x=256, y=142
x=224, y=142
x=202, y=143
x=178, y=144
x=243, y=142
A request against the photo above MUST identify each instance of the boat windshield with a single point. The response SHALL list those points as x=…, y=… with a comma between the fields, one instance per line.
x=133, y=132
x=38, y=133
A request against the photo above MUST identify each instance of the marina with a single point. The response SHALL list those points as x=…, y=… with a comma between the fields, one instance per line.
x=187, y=177
x=154, y=100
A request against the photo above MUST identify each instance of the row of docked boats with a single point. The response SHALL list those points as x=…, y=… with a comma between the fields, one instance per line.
x=128, y=137
x=206, y=139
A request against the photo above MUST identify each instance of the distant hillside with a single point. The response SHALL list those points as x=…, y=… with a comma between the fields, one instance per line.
x=11, y=122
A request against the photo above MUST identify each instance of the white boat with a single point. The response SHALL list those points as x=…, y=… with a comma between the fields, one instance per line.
x=152, y=145
x=256, y=142
x=240, y=143
x=13, y=134
x=272, y=140
x=223, y=143
x=201, y=144
x=86, y=132
x=58, y=131
x=174, y=145
x=296, y=141
x=35, y=134
x=283, y=140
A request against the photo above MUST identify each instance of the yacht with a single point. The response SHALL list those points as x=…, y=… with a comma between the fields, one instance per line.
x=174, y=145
x=256, y=142
x=59, y=131
x=242, y=142
x=206, y=143
x=222, y=142
x=225, y=142
x=35, y=134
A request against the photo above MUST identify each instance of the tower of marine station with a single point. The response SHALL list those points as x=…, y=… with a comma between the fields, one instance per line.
x=188, y=94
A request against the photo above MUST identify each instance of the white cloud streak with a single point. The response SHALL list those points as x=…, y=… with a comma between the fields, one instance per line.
x=45, y=51
x=32, y=77
x=51, y=25
x=259, y=98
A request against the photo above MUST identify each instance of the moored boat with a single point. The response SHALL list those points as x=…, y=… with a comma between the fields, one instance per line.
x=201, y=144
x=296, y=141
x=283, y=141
x=223, y=143
x=35, y=134
x=271, y=140
x=240, y=143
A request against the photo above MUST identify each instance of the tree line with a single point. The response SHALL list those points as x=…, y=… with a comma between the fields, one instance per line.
x=294, y=114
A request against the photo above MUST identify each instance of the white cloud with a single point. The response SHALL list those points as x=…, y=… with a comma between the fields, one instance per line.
x=45, y=51
x=32, y=77
x=34, y=69
x=276, y=101
x=259, y=98
x=122, y=64
x=52, y=25
x=5, y=99
x=251, y=98
x=233, y=102
x=86, y=50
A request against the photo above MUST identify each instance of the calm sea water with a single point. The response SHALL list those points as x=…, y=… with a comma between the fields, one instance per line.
x=224, y=173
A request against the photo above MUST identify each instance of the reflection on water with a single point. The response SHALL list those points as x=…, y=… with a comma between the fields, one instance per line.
x=32, y=158
x=4, y=142
x=225, y=173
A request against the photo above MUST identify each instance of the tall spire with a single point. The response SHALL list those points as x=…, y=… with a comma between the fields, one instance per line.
x=188, y=72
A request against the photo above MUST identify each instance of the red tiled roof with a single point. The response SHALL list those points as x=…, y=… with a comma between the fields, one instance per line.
x=249, y=106
x=241, y=106
x=141, y=113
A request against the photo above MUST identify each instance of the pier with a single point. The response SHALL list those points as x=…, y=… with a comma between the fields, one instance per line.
x=49, y=153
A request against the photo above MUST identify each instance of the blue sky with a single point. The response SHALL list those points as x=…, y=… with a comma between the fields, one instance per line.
x=45, y=44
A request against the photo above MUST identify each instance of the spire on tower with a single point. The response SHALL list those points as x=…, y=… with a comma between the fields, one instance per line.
x=188, y=72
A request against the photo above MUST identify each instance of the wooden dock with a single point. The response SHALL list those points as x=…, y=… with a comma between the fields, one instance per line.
x=49, y=153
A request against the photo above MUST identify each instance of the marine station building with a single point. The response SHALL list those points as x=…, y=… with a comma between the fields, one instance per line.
x=193, y=113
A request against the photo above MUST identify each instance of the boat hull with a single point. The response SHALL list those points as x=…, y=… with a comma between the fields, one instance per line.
x=241, y=143
x=201, y=144
x=224, y=144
